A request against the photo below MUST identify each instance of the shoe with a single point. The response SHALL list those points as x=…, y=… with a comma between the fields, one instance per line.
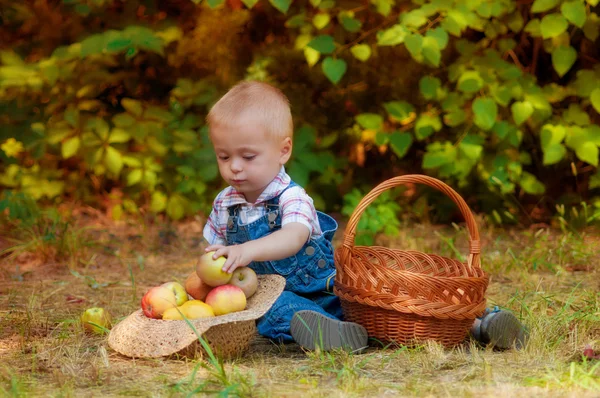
x=311, y=329
x=499, y=328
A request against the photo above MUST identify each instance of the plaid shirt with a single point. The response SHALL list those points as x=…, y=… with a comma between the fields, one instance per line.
x=295, y=206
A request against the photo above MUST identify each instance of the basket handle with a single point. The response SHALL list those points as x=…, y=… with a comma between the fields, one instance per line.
x=474, y=243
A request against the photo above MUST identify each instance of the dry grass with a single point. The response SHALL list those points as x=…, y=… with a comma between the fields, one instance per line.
x=548, y=278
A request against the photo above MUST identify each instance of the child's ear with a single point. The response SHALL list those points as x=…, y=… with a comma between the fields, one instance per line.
x=286, y=150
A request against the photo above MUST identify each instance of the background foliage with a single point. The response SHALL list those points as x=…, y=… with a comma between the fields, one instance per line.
x=103, y=101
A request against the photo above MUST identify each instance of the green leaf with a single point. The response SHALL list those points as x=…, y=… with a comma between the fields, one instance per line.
x=414, y=44
x=176, y=207
x=323, y=44
x=563, y=59
x=595, y=99
x=471, y=151
x=486, y=111
x=470, y=82
x=281, y=5
x=415, y=18
x=134, y=177
x=132, y=106
x=350, y=23
x=249, y=3
x=70, y=147
x=321, y=20
x=371, y=121
x=533, y=28
x=431, y=51
x=553, y=154
x=312, y=56
x=544, y=5
x=113, y=160
x=588, y=152
x=334, y=69
x=158, y=114
x=72, y=116
x=455, y=117
x=531, y=185
x=515, y=21
x=521, y=111
x=575, y=115
x=400, y=143
x=392, y=36
x=297, y=21
x=575, y=12
x=440, y=35
x=553, y=25
x=402, y=111
x=362, y=52
x=591, y=29
x=552, y=135
x=429, y=86
x=118, y=135
x=439, y=154
x=123, y=120
x=426, y=125
x=159, y=202
x=384, y=7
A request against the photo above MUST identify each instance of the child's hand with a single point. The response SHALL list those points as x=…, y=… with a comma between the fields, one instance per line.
x=237, y=255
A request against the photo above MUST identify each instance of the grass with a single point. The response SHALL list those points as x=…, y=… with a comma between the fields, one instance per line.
x=547, y=277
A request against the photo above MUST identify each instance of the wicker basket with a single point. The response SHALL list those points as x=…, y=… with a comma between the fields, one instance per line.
x=407, y=297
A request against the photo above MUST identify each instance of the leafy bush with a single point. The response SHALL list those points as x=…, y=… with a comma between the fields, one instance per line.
x=499, y=98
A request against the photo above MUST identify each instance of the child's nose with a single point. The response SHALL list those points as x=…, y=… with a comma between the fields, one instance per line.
x=236, y=165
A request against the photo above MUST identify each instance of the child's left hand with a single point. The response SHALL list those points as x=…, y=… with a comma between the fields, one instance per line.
x=237, y=255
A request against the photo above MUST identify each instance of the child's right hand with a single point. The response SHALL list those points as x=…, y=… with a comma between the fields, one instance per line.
x=237, y=255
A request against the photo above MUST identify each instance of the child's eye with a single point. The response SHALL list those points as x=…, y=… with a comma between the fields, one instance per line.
x=223, y=157
x=250, y=157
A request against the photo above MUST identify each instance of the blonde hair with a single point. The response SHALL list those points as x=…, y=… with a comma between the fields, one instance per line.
x=258, y=99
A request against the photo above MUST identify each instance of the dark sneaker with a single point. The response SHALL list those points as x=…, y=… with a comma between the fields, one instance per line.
x=499, y=328
x=311, y=329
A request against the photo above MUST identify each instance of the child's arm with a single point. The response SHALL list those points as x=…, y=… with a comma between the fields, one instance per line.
x=276, y=246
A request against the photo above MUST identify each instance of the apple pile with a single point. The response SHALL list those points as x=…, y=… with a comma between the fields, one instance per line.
x=214, y=292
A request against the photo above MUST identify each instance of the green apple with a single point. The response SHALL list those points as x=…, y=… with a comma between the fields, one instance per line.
x=210, y=271
x=245, y=278
x=96, y=320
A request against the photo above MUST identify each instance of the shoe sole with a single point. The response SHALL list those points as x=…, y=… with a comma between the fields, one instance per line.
x=311, y=329
x=504, y=329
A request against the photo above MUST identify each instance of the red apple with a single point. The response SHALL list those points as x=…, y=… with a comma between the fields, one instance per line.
x=195, y=287
x=96, y=320
x=225, y=299
x=178, y=290
x=211, y=272
x=245, y=278
x=157, y=300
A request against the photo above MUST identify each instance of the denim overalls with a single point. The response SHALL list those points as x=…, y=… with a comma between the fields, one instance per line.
x=309, y=273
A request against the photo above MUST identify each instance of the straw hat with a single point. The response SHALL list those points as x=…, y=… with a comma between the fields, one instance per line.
x=138, y=336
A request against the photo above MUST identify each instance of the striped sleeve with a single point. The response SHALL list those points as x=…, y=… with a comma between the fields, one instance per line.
x=297, y=206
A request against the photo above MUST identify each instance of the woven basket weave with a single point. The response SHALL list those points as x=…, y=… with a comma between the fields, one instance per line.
x=408, y=296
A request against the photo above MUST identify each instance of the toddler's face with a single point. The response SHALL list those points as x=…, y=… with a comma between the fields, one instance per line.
x=248, y=159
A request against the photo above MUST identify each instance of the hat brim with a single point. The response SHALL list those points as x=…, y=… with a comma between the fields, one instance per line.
x=138, y=336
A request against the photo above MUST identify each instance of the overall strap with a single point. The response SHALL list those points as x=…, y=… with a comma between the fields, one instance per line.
x=275, y=200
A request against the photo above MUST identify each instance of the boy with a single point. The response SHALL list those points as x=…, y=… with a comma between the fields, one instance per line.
x=265, y=221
